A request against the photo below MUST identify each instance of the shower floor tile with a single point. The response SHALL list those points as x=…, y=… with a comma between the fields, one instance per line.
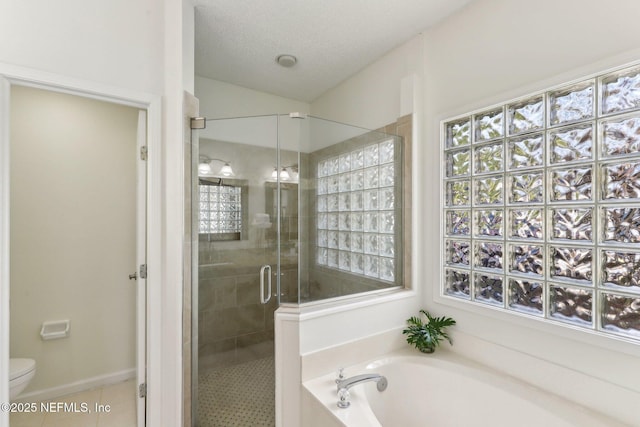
x=241, y=395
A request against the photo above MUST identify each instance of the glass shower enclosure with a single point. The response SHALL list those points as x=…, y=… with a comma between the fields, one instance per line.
x=289, y=209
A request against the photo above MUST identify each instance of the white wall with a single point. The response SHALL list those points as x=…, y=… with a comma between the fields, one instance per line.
x=116, y=42
x=224, y=100
x=221, y=100
x=495, y=48
x=73, y=174
x=166, y=347
x=188, y=46
x=492, y=51
x=378, y=94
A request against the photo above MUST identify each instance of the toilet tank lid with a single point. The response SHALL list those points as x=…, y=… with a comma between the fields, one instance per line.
x=20, y=367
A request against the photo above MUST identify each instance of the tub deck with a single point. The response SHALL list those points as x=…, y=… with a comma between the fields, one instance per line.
x=442, y=390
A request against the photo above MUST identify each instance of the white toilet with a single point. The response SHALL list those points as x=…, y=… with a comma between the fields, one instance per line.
x=21, y=371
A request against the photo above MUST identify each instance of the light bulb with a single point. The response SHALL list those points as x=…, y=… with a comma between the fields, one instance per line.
x=284, y=175
x=226, y=170
x=204, y=168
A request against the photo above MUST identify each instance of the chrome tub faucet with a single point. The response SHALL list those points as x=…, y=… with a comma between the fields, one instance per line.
x=344, y=384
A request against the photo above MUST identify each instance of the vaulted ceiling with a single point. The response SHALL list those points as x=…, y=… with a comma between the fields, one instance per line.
x=237, y=41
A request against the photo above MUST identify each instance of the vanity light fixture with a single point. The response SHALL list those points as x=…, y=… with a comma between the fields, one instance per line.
x=285, y=173
x=204, y=166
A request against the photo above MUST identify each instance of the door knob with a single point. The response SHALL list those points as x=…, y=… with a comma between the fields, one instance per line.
x=133, y=276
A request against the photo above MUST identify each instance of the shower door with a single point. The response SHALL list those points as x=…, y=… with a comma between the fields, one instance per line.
x=236, y=287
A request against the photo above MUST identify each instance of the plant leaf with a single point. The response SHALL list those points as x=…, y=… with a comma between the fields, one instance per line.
x=427, y=336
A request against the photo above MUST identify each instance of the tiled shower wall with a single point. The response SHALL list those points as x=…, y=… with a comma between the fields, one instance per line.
x=233, y=325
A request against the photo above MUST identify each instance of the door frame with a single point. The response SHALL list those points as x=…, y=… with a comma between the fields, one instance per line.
x=141, y=266
x=151, y=104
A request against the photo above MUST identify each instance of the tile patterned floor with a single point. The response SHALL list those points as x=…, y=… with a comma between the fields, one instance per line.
x=241, y=395
x=121, y=398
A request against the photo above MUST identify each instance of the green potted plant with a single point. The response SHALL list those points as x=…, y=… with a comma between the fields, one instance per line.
x=426, y=336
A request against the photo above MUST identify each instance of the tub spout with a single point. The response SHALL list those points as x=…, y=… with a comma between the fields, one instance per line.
x=347, y=383
x=344, y=385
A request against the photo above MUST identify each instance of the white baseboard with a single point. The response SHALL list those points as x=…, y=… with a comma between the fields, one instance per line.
x=75, y=387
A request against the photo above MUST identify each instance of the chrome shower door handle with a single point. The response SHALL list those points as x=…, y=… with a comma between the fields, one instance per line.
x=264, y=268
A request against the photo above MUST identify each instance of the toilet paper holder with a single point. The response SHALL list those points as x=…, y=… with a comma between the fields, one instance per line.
x=55, y=329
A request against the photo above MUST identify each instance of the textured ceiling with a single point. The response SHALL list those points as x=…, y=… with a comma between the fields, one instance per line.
x=237, y=41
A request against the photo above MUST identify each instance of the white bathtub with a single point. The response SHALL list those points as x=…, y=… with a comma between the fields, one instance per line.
x=444, y=390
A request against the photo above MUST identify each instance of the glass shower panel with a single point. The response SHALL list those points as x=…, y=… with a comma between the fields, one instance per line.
x=238, y=256
x=350, y=200
x=288, y=206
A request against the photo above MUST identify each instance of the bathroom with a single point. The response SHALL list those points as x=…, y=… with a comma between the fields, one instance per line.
x=427, y=79
x=472, y=60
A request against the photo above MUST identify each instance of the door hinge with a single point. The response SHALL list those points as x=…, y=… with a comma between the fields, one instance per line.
x=142, y=390
x=143, y=271
x=198, y=123
x=143, y=152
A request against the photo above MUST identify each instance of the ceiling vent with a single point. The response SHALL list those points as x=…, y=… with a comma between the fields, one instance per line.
x=287, y=61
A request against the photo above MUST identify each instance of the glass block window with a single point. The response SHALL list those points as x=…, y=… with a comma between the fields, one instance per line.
x=220, y=210
x=541, y=203
x=356, y=202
